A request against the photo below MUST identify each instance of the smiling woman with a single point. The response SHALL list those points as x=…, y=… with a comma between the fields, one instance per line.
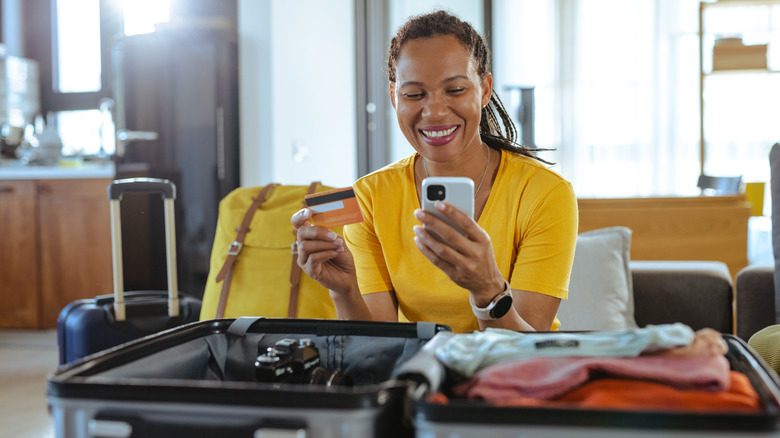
x=518, y=249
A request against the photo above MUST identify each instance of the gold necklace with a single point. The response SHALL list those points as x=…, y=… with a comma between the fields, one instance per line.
x=484, y=172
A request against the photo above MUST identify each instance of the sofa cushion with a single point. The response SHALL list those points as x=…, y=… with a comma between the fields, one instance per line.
x=697, y=293
x=600, y=290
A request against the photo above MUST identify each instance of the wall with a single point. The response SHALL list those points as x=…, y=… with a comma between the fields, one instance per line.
x=297, y=91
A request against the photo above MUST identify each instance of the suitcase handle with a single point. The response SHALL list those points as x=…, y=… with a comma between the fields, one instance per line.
x=143, y=185
x=424, y=368
x=108, y=299
x=420, y=330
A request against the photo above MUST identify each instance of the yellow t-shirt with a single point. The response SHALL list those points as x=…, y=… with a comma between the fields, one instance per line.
x=530, y=215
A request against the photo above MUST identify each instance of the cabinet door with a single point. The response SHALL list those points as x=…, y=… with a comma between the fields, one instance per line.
x=75, y=243
x=19, y=293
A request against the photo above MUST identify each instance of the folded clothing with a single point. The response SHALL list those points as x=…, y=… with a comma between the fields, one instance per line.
x=468, y=353
x=634, y=395
x=551, y=377
x=615, y=393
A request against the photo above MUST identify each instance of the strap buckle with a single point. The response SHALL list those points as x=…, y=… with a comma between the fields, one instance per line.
x=235, y=248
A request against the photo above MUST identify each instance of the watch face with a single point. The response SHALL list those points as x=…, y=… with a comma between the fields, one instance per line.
x=502, y=307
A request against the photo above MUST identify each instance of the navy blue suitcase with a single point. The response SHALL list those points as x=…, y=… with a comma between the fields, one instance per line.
x=91, y=325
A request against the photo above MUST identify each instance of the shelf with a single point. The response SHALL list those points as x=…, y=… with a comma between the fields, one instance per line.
x=731, y=54
x=738, y=3
x=741, y=71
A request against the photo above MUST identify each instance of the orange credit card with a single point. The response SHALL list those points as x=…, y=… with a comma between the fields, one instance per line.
x=334, y=208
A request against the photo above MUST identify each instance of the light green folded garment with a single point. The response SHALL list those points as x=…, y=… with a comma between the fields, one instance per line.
x=766, y=342
x=468, y=353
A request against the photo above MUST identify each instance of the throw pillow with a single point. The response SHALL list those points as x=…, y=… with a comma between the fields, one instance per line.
x=601, y=293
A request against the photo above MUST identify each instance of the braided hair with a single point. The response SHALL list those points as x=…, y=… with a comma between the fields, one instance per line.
x=497, y=130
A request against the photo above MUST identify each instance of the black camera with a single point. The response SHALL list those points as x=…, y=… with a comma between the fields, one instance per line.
x=436, y=192
x=291, y=361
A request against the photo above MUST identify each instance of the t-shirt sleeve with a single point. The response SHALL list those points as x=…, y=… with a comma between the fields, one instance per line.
x=366, y=249
x=545, y=252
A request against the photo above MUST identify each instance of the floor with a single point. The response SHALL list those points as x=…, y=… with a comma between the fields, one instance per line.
x=26, y=357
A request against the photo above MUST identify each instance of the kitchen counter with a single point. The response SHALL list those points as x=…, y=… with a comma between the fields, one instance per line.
x=11, y=169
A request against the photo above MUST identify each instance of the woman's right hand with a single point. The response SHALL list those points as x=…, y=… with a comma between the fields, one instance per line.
x=323, y=255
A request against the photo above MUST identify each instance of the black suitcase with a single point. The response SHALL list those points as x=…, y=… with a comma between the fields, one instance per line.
x=204, y=379
x=472, y=418
x=91, y=325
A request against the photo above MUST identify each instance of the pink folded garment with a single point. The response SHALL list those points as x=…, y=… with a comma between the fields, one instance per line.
x=550, y=377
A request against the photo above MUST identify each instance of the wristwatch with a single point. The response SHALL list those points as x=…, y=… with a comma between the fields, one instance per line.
x=498, y=307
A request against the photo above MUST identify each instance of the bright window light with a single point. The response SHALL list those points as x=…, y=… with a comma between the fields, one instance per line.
x=78, y=46
x=142, y=15
x=80, y=132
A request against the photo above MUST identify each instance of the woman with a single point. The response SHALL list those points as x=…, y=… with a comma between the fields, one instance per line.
x=518, y=249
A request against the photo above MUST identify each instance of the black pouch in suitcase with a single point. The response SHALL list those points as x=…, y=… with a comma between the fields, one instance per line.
x=472, y=418
x=91, y=325
x=201, y=380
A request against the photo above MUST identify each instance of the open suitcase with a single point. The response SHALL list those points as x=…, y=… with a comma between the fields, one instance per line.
x=469, y=418
x=89, y=325
x=208, y=379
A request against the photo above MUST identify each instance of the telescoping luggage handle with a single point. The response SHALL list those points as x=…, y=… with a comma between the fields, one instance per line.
x=143, y=185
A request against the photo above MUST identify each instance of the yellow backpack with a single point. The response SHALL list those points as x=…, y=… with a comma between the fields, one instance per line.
x=253, y=271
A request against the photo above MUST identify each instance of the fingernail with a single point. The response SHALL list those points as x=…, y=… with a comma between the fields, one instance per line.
x=417, y=230
x=332, y=235
x=440, y=206
x=338, y=242
x=418, y=214
x=305, y=212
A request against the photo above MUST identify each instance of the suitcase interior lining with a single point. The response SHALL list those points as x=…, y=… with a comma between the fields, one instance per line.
x=216, y=357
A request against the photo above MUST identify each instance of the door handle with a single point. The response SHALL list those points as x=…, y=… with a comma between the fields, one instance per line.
x=124, y=136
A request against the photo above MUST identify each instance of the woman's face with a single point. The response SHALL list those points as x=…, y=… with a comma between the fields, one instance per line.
x=438, y=97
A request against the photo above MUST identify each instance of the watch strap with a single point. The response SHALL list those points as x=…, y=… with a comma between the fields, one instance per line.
x=485, y=313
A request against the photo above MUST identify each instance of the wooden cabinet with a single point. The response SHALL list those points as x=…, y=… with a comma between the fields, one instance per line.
x=56, y=248
x=19, y=273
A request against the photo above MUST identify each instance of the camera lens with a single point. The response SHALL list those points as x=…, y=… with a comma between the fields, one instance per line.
x=436, y=192
x=323, y=376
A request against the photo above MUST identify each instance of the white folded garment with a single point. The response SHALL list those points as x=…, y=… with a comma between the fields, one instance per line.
x=468, y=353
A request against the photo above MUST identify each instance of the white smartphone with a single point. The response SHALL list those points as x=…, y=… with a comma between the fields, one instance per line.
x=454, y=190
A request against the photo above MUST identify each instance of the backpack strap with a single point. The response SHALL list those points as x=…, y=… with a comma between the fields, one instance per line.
x=226, y=273
x=295, y=270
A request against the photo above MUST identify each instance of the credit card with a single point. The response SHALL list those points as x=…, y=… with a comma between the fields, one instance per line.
x=334, y=208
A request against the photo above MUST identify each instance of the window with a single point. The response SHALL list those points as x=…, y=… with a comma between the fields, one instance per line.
x=611, y=97
x=140, y=16
x=79, y=62
x=617, y=93
x=77, y=54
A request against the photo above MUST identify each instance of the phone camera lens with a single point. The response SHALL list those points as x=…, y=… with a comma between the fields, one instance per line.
x=436, y=192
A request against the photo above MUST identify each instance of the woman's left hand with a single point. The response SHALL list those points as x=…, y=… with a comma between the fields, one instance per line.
x=468, y=259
